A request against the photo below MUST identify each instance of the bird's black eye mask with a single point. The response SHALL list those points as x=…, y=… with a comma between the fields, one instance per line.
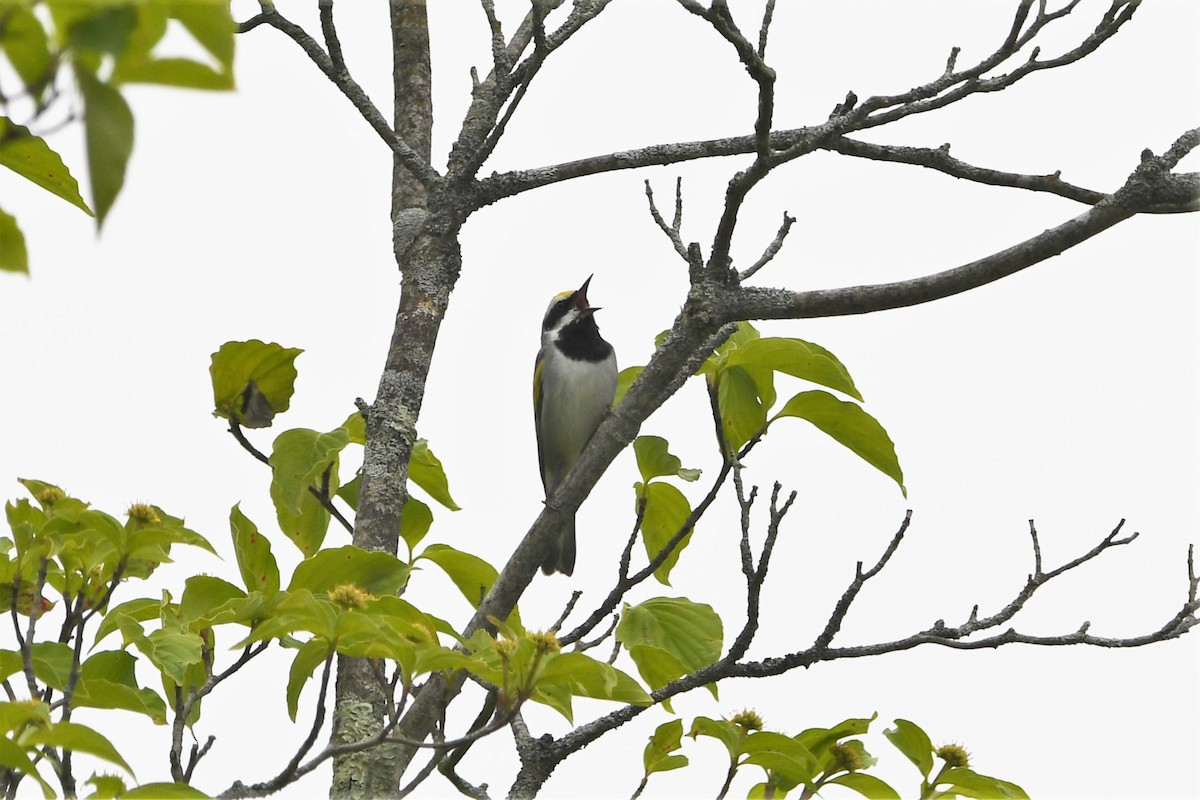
x=557, y=312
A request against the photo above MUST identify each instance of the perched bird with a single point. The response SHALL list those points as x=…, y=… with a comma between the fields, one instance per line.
x=574, y=381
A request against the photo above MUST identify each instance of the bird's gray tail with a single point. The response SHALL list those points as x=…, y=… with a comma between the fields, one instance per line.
x=561, y=557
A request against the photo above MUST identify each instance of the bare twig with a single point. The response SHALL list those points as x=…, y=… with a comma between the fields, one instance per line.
x=671, y=231
x=772, y=249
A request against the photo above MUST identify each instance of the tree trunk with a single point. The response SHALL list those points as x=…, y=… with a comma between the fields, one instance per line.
x=427, y=254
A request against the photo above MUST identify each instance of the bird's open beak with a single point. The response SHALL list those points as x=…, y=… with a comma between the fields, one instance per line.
x=581, y=301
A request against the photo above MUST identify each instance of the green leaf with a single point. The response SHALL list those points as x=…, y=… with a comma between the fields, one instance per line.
x=210, y=24
x=255, y=561
x=743, y=415
x=108, y=131
x=471, y=574
x=307, y=529
x=625, y=379
x=13, y=255
x=13, y=755
x=425, y=470
x=584, y=676
x=351, y=489
x=666, y=739
x=415, y=521
x=182, y=73
x=18, y=715
x=10, y=664
x=654, y=461
x=667, y=510
x=851, y=427
x=969, y=783
x=128, y=613
x=30, y=157
x=253, y=381
x=789, y=762
x=172, y=653
x=78, y=738
x=164, y=791
x=107, y=680
x=726, y=732
x=798, y=358
x=308, y=658
x=867, y=785
x=914, y=743
x=24, y=41
x=202, y=596
x=375, y=573
x=52, y=663
x=300, y=459
x=745, y=333
x=107, y=31
x=669, y=637
x=107, y=787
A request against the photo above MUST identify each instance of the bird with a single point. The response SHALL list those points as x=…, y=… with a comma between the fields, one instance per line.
x=574, y=382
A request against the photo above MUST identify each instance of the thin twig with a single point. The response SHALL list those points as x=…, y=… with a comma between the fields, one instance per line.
x=772, y=249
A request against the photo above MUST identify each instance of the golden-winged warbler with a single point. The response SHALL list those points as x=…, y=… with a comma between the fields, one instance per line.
x=574, y=381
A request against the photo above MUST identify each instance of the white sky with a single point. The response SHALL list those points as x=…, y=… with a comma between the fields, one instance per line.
x=1067, y=393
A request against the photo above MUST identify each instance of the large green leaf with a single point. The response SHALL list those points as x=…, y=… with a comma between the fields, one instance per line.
x=687, y=637
x=867, y=785
x=260, y=572
x=13, y=255
x=182, y=73
x=851, y=427
x=425, y=470
x=913, y=742
x=743, y=414
x=968, y=783
x=203, y=596
x=583, y=676
x=666, y=512
x=209, y=22
x=30, y=157
x=164, y=791
x=415, y=521
x=471, y=574
x=108, y=133
x=798, y=358
x=107, y=680
x=13, y=755
x=52, y=663
x=253, y=381
x=790, y=762
x=306, y=529
x=375, y=573
x=24, y=41
x=78, y=738
x=300, y=459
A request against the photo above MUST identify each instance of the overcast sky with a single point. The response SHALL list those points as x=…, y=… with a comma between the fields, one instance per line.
x=1067, y=393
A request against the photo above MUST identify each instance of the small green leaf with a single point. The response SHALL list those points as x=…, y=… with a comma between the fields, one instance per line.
x=666, y=739
x=306, y=529
x=375, y=573
x=183, y=73
x=914, y=743
x=13, y=255
x=108, y=130
x=425, y=470
x=30, y=157
x=211, y=25
x=350, y=490
x=666, y=512
x=107, y=680
x=255, y=561
x=130, y=612
x=724, y=731
x=471, y=574
x=625, y=379
x=78, y=738
x=172, y=653
x=308, y=658
x=654, y=461
x=202, y=596
x=745, y=333
x=415, y=521
x=690, y=634
x=851, y=427
x=107, y=787
x=253, y=376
